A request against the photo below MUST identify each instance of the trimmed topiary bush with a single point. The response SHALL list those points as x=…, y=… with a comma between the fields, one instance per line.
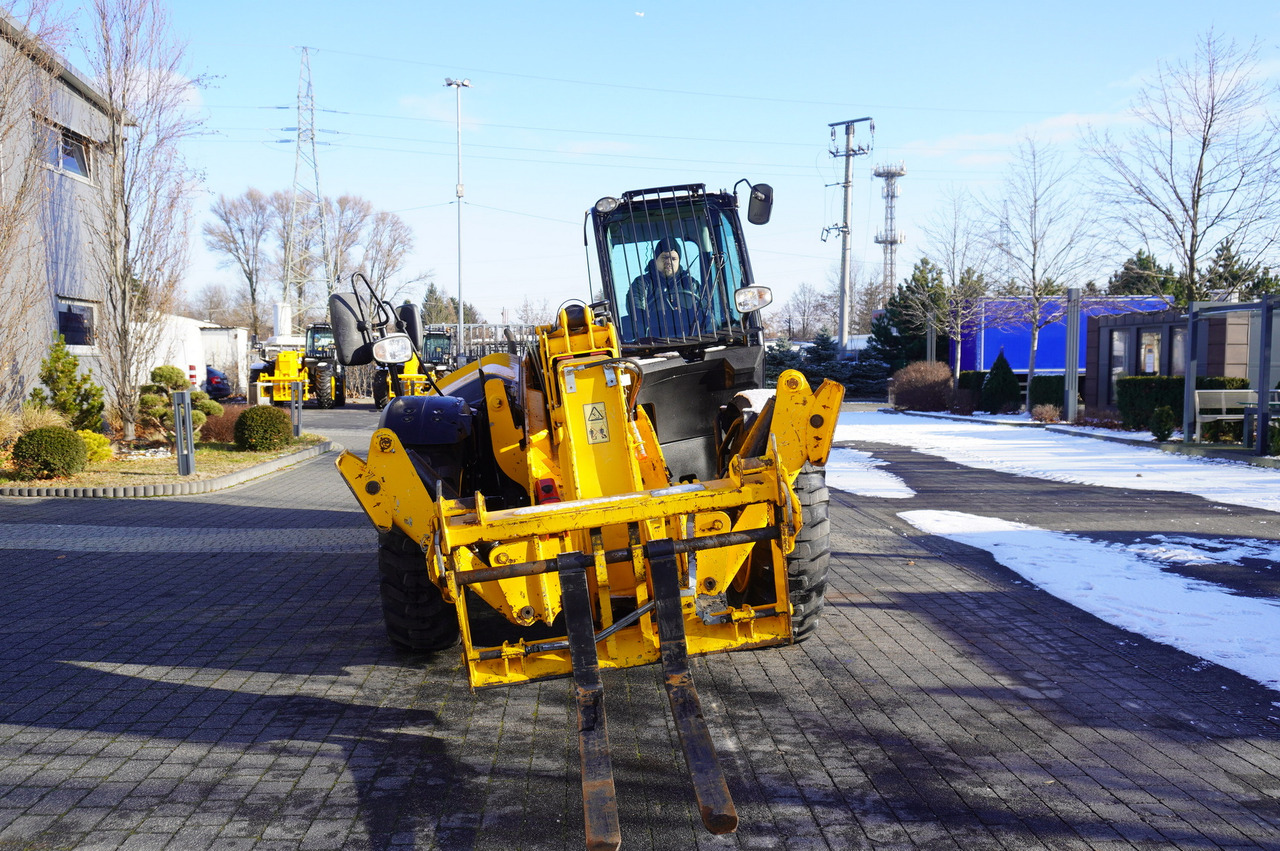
x=263, y=427
x=170, y=377
x=1000, y=392
x=97, y=445
x=49, y=452
x=923, y=386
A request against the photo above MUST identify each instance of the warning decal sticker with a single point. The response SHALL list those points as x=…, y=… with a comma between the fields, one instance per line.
x=597, y=424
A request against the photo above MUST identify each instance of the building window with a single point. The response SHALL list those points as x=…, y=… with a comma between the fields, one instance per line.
x=1149, y=352
x=68, y=152
x=75, y=322
x=1118, y=361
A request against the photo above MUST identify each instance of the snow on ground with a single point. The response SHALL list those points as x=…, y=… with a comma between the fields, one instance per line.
x=1125, y=589
x=1067, y=458
x=854, y=471
x=1123, y=584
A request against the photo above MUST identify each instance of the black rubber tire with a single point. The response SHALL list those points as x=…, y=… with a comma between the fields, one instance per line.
x=808, y=562
x=322, y=378
x=381, y=390
x=416, y=615
x=339, y=390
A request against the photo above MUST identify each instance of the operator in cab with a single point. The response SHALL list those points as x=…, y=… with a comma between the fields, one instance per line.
x=663, y=301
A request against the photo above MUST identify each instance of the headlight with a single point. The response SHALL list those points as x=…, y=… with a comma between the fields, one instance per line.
x=394, y=348
x=607, y=205
x=750, y=299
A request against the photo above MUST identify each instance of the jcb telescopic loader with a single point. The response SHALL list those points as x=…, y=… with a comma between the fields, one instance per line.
x=628, y=487
x=315, y=366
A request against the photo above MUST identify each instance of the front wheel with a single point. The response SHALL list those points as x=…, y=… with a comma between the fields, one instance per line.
x=323, y=377
x=339, y=390
x=807, y=564
x=417, y=617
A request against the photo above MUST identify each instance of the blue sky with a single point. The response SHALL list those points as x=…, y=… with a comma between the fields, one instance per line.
x=573, y=101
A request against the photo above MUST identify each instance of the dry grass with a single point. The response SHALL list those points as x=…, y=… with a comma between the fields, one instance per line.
x=212, y=460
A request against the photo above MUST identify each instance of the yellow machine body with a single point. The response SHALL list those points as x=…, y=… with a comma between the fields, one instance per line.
x=288, y=367
x=591, y=464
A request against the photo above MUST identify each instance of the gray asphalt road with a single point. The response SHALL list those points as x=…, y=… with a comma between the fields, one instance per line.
x=211, y=672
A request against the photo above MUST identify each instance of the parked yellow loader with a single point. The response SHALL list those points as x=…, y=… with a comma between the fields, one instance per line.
x=626, y=494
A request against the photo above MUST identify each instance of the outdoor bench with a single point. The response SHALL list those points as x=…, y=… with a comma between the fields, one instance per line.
x=1214, y=405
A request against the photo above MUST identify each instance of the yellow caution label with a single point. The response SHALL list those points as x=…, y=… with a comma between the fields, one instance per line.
x=597, y=423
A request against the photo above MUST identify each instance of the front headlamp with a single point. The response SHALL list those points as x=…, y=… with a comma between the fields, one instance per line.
x=394, y=348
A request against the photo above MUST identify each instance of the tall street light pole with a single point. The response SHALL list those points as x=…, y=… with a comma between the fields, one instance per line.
x=458, y=86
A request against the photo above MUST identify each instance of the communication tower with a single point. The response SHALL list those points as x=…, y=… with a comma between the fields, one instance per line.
x=889, y=237
x=306, y=245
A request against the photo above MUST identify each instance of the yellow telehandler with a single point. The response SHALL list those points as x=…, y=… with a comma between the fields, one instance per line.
x=627, y=493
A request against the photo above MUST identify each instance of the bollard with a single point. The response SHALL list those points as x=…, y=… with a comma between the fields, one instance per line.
x=295, y=407
x=183, y=433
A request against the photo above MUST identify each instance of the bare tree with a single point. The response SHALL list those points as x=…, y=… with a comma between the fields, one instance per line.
x=961, y=255
x=140, y=238
x=28, y=40
x=297, y=288
x=1046, y=240
x=534, y=313
x=239, y=233
x=1201, y=168
x=804, y=313
x=387, y=244
x=346, y=222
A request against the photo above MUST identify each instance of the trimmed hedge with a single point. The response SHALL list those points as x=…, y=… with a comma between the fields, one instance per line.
x=49, y=452
x=1138, y=396
x=263, y=427
x=1048, y=390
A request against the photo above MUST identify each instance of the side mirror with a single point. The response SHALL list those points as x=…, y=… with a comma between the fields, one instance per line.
x=760, y=207
x=349, y=341
x=411, y=319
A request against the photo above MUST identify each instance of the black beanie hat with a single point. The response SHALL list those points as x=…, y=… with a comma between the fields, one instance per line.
x=666, y=244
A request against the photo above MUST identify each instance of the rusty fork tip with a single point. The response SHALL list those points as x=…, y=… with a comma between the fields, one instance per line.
x=719, y=823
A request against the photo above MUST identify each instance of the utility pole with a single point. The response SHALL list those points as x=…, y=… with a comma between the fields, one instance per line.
x=848, y=152
x=306, y=210
x=458, y=86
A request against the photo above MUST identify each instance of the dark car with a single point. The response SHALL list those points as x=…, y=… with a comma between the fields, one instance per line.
x=216, y=383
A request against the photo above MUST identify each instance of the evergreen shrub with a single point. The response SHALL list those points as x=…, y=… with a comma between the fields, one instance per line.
x=1000, y=392
x=97, y=445
x=263, y=427
x=1163, y=422
x=1138, y=396
x=1048, y=390
x=923, y=386
x=49, y=452
x=71, y=394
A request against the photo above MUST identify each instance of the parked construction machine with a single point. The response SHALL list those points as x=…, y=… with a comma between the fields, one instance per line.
x=282, y=362
x=625, y=493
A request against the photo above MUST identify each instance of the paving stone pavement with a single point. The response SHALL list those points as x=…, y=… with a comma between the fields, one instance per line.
x=210, y=672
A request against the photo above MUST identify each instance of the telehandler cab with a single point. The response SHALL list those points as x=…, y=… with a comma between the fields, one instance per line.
x=628, y=486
